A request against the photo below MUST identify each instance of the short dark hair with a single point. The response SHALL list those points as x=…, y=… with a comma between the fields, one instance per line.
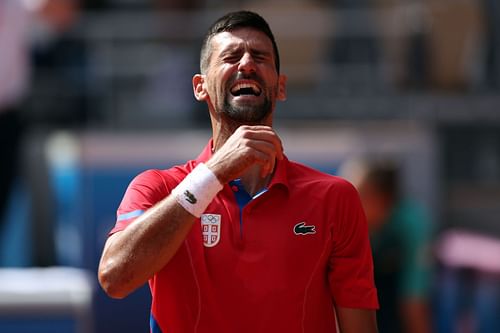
x=233, y=21
x=384, y=175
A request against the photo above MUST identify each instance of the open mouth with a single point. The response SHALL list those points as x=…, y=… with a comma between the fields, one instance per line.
x=246, y=89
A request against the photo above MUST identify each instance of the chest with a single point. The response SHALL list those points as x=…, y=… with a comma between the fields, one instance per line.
x=274, y=237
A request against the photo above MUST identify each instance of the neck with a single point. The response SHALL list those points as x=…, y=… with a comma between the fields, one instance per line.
x=222, y=129
x=253, y=182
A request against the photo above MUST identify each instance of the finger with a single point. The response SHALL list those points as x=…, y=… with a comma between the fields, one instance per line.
x=267, y=136
x=263, y=153
x=255, y=127
x=267, y=149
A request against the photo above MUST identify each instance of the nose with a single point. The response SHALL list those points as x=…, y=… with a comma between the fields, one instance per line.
x=247, y=63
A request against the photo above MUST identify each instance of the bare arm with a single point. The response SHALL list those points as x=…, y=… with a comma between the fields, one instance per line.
x=356, y=320
x=415, y=314
x=132, y=256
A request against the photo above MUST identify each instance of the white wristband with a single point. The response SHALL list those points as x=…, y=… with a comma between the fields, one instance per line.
x=197, y=190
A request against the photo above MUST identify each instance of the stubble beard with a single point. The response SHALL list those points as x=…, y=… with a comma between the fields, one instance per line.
x=248, y=114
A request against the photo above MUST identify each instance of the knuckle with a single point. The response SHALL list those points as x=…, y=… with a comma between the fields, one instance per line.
x=249, y=152
x=243, y=128
x=246, y=133
x=245, y=142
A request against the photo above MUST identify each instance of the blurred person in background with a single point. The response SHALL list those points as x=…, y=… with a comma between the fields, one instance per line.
x=400, y=239
x=22, y=22
x=59, y=60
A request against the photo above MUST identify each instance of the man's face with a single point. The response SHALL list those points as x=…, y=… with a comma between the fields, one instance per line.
x=376, y=204
x=241, y=80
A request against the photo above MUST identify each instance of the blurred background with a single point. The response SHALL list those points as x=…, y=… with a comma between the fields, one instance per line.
x=400, y=97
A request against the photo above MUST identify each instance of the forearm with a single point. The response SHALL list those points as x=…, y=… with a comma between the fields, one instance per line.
x=134, y=255
x=356, y=320
x=416, y=317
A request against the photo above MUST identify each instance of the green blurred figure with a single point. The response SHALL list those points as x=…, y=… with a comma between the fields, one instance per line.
x=400, y=238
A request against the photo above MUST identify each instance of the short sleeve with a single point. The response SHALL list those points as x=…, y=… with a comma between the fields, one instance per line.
x=350, y=265
x=143, y=192
x=416, y=232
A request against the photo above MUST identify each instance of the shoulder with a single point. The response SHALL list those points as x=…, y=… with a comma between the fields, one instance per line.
x=410, y=218
x=161, y=180
x=303, y=176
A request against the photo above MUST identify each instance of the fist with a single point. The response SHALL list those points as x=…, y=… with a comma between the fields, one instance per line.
x=246, y=147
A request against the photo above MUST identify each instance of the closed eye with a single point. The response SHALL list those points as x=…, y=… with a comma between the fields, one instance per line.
x=231, y=59
x=231, y=56
x=261, y=56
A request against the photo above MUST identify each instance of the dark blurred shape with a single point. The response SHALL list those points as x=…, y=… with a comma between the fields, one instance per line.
x=354, y=47
x=400, y=237
x=422, y=45
x=492, y=20
x=59, y=62
x=468, y=285
x=25, y=25
x=467, y=291
x=14, y=74
x=178, y=4
x=455, y=45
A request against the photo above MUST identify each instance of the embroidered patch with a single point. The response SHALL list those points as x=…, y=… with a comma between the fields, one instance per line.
x=303, y=229
x=210, y=229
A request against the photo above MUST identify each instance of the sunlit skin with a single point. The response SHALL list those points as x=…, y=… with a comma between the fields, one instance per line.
x=243, y=56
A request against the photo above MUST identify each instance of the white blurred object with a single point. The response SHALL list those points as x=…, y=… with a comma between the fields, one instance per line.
x=33, y=5
x=462, y=249
x=14, y=66
x=63, y=156
x=53, y=290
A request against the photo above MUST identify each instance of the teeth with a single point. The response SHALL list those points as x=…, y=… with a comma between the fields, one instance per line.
x=240, y=86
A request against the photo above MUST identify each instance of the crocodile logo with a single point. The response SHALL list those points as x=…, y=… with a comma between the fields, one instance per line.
x=190, y=197
x=303, y=229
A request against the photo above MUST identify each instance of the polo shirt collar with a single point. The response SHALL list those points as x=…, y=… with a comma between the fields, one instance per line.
x=280, y=174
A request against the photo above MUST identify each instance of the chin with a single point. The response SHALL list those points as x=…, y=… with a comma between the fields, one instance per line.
x=247, y=115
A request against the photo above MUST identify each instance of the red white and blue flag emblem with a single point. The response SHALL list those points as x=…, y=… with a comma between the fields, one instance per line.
x=210, y=229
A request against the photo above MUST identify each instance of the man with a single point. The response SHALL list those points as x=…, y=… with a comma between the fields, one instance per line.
x=400, y=237
x=242, y=239
x=18, y=22
x=14, y=68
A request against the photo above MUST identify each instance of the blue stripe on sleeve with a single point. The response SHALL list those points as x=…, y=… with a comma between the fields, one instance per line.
x=130, y=215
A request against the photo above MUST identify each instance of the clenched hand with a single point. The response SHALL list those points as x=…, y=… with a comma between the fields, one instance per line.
x=246, y=147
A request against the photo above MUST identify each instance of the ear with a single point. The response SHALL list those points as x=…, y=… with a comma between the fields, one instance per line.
x=199, y=89
x=282, y=88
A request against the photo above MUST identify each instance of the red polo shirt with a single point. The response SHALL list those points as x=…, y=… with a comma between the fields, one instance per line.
x=277, y=262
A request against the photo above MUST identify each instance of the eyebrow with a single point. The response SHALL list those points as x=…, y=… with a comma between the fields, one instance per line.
x=238, y=48
x=229, y=50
